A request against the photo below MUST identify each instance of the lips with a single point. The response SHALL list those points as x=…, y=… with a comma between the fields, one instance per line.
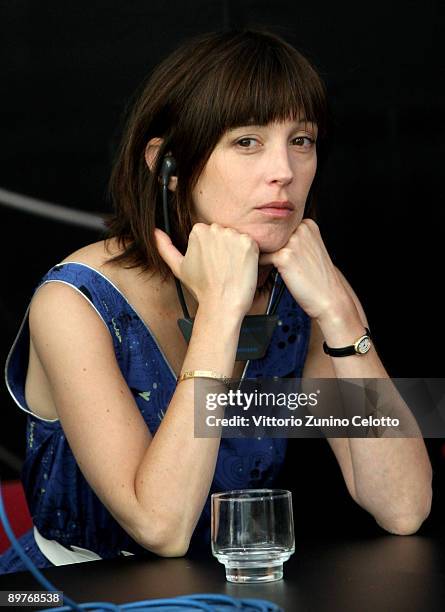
x=277, y=209
x=280, y=205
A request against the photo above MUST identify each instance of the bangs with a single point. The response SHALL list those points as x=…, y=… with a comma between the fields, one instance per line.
x=263, y=83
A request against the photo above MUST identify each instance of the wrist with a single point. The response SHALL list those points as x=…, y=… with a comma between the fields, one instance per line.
x=336, y=311
x=342, y=327
x=213, y=309
x=213, y=343
x=217, y=322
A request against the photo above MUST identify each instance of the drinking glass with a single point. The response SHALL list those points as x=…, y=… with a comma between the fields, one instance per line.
x=253, y=533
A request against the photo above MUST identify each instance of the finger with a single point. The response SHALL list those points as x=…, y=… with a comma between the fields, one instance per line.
x=167, y=250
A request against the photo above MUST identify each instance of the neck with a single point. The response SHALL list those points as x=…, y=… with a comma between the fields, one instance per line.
x=263, y=275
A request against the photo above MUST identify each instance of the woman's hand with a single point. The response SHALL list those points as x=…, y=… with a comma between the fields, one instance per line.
x=220, y=267
x=308, y=272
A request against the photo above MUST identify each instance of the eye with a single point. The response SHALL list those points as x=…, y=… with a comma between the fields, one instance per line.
x=305, y=142
x=244, y=143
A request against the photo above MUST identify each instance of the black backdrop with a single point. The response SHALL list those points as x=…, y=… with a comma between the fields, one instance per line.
x=69, y=69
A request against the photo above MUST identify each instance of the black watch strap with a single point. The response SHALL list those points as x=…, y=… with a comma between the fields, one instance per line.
x=345, y=351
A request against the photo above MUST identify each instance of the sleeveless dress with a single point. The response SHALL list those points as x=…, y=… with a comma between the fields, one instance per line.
x=63, y=505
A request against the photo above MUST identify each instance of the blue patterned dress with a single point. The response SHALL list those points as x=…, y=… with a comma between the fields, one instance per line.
x=63, y=505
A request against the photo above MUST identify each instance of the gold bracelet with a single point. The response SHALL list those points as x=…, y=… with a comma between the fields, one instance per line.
x=202, y=374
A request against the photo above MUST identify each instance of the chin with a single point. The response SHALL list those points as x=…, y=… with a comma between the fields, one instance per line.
x=270, y=241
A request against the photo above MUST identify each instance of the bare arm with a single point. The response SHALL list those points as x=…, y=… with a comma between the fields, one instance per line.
x=389, y=477
x=155, y=487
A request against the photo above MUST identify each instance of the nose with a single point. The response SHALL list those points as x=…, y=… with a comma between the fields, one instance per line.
x=279, y=168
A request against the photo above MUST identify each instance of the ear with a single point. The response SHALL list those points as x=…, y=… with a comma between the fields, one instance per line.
x=151, y=154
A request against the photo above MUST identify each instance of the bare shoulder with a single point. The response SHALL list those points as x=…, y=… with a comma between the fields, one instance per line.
x=54, y=299
x=58, y=302
x=137, y=286
x=59, y=316
x=97, y=254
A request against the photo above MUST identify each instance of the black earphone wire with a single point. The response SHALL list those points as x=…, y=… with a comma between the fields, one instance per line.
x=168, y=231
x=278, y=298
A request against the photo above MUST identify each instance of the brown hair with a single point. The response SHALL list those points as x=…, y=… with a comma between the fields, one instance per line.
x=210, y=84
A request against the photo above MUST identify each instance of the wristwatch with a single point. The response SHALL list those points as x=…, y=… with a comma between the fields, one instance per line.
x=360, y=347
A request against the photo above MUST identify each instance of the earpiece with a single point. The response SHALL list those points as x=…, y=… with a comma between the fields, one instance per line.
x=168, y=169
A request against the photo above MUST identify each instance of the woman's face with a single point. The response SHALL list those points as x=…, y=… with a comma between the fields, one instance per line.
x=256, y=165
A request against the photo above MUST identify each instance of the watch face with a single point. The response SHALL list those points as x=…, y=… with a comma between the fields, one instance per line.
x=364, y=345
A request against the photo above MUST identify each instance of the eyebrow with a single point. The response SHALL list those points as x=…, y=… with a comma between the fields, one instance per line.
x=257, y=125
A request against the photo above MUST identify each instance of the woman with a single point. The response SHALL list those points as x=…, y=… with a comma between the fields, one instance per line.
x=112, y=462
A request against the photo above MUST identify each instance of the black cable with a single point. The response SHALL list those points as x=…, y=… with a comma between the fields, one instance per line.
x=277, y=301
x=168, y=232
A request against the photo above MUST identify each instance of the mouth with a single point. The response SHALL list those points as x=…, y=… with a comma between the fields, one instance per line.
x=276, y=209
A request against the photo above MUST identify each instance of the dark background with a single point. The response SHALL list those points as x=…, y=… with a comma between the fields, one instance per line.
x=68, y=72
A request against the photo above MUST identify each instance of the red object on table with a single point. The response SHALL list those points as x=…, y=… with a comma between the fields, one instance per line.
x=16, y=510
